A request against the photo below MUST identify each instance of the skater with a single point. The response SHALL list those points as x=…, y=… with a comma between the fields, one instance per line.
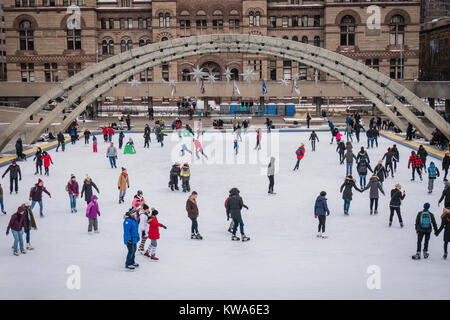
x=192, y=210
x=349, y=132
x=300, y=152
x=347, y=186
x=17, y=224
x=234, y=207
x=199, y=127
x=416, y=163
x=105, y=133
x=308, y=120
x=184, y=148
x=38, y=160
x=396, y=157
x=144, y=213
x=110, y=133
x=362, y=154
x=128, y=120
x=424, y=223
x=445, y=224
x=321, y=212
x=375, y=136
x=362, y=168
x=268, y=124
x=15, y=175
x=313, y=137
x=73, y=190
x=153, y=234
x=123, y=184
x=189, y=129
x=357, y=129
x=88, y=184
x=433, y=173
x=87, y=135
x=160, y=135
x=370, y=137
x=111, y=154
x=446, y=195
x=245, y=126
x=61, y=142
x=271, y=174
x=138, y=200
x=147, y=136
x=92, y=211
x=94, y=144
x=19, y=150
x=130, y=238
x=36, y=196
x=334, y=134
x=446, y=164
x=380, y=172
x=374, y=185
x=341, y=150
x=185, y=176
x=409, y=132
x=121, y=136
x=258, y=139
x=47, y=161
x=349, y=156
x=173, y=176
x=235, y=147
x=238, y=133
x=30, y=223
x=389, y=156
x=73, y=134
x=423, y=155
x=199, y=148
x=2, y=206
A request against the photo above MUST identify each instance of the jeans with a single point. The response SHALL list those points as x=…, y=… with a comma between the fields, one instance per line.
x=420, y=237
x=122, y=193
x=362, y=180
x=112, y=161
x=238, y=221
x=297, y=164
x=18, y=239
x=313, y=145
x=73, y=201
x=271, y=183
x=390, y=168
x=370, y=142
x=430, y=184
x=395, y=165
x=399, y=215
x=62, y=144
x=372, y=202
x=349, y=168
x=349, y=136
x=27, y=236
x=38, y=167
x=419, y=171
x=41, y=206
x=131, y=254
x=194, y=226
x=322, y=219
x=347, y=205
x=446, y=172
x=2, y=205
x=376, y=141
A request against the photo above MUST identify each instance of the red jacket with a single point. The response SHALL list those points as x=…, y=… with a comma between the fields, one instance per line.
x=258, y=134
x=302, y=154
x=47, y=160
x=153, y=231
x=110, y=131
x=105, y=130
x=416, y=161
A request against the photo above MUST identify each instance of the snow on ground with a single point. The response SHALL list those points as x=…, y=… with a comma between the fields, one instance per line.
x=283, y=260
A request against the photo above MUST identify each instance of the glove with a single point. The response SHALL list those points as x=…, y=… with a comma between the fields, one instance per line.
x=315, y=216
x=129, y=242
x=29, y=199
x=143, y=233
x=7, y=232
x=20, y=179
x=118, y=188
x=50, y=196
x=163, y=226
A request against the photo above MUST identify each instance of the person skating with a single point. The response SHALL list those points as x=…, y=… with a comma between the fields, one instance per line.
x=189, y=129
x=446, y=164
x=234, y=206
x=271, y=174
x=416, y=163
x=185, y=175
x=130, y=238
x=184, y=148
x=138, y=200
x=349, y=132
x=380, y=172
x=123, y=184
x=144, y=213
x=374, y=186
x=87, y=135
x=321, y=212
x=94, y=144
x=153, y=235
x=340, y=149
x=433, y=173
x=235, y=146
x=147, y=136
x=258, y=139
x=338, y=135
x=38, y=160
x=17, y=224
x=15, y=175
x=128, y=120
x=36, y=196
x=2, y=205
x=73, y=134
x=121, y=137
x=445, y=224
x=245, y=126
x=130, y=143
x=349, y=156
x=105, y=133
x=347, y=193
x=199, y=127
x=86, y=190
x=362, y=167
x=73, y=191
x=160, y=135
x=30, y=223
x=192, y=211
x=362, y=154
x=238, y=133
x=47, y=161
x=423, y=154
x=313, y=137
x=198, y=148
x=425, y=223
x=300, y=153
x=409, y=132
x=19, y=150
x=396, y=157
x=61, y=142
x=268, y=125
x=308, y=120
x=110, y=133
x=173, y=176
x=445, y=195
x=334, y=132
x=357, y=129
x=390, y=157
x=111, y=154
x=92, y=211
x=394, y=205
x=375, y=136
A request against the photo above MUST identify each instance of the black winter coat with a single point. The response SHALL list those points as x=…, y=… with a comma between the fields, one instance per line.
x=14, y=172
x=380, y=171
x=175, y=172
x=60, y=137
x=234, y=205
x=445, y=163
x=446, y=195
x=422, y=154
x=347, y=187
x=340, y=148
x=396, y=198
x=362, y=167
x=433, y=225
x=389, y=157
x=445, y=224
x=396, y=153
x=37, y=158
x=87, y=190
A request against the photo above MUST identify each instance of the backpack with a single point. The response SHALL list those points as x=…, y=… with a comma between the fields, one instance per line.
x=298, y=152
x=432, y=172
x=425, y=220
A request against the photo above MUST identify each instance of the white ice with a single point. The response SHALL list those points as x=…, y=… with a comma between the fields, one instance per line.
x=283, y=260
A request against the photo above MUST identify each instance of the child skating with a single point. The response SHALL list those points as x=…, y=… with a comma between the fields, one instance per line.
x=321, y=212
x=153, y=234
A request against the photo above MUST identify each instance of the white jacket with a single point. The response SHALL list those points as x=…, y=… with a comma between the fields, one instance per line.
x=143, y=225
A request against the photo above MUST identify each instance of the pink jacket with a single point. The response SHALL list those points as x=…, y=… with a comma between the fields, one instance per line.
x=137, y=202
x=338, y=136
x=198, y=145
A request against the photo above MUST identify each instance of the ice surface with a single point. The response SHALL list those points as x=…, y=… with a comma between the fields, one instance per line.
x=283, y=260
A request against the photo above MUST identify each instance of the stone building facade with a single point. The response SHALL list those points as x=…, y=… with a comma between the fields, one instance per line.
x=3, y=74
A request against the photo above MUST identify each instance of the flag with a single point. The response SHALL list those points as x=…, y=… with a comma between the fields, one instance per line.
x=296, y=88
x=236, y=89
x=202, y=88
x=264, y=87
x=172, y=91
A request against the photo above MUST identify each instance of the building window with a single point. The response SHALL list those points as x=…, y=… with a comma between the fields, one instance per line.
x=74, y=39
x=397, y=30
x=129, y=44
x=26, y=38
x=347, y=31
x=123, y=46
x=27, y=72
x=218, y=24
x=161, y=20
x=165, y=72
x=164, y=39
x=73, y=68
x=111, y=46
x=201, y=24
x=285, y=37
x=104, y=47
x=285, y=22
x=287, y=70
x=141, y=43
x=273, y=22
x=294, y=38
x=304, y=21
x=103, y=24
x=185, y=24
x=148, y=23
x=257, y=66
x=125, y=3
x=140, y=23
x=302, y=71
x=294, y=2
x=235, y=23
x=51, y=72
x=48, y=3
x=317, y=21
x=167, y=20
x=305, y=39
x=147, y=75
x=273, y=69
x=317, y=41
x=251, y=19
x=122, y=23
x=373, y=63
x=111, y=23
x=396, y=69
x=185, y=76
x=294, y=21
x=130, y=23
x=257, y=19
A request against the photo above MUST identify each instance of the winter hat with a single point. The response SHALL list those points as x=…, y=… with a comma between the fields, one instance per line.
x=426, y=206
x=27, y=204
x=72, y=176
x=123, y=169
x=140, y=192
x=323, y=193
x=144, y=206
x=186, y=164
x=14, y=162
x=130, y=212
x=93, y=197
x=154, y=211
x=39, y=181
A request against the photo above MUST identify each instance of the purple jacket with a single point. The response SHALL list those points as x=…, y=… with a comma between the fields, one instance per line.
x=92, y=209
x=17, y=221
x=36, y=192
x=72, y=188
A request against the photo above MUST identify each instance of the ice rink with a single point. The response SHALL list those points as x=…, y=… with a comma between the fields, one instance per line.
x=283, y=260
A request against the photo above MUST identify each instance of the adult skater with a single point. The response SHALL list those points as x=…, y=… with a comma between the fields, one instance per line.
x=396, y=157
x=409, y=132
x=380, y=172
x=19, y=150
x=338, y=135
x=425, y=221
x=446, y=164
x=198, y=148
x=416, y=163
x=130, y=238
x=313, y=137
x=349, y=156
x=370, y=137
x=105, y=133
x=235, y=146
x=86, y=190
x=73, y=191
x=2, y=205
x=47, y=161
x=234, y=207
x=340, y=149
x=92, y=212
x=94, y=144
x=258, y=139
x=238, y=133
x=61, y=142
x=268, y=124
x=111, y=154
x=160, y=135
x=423, y=155
x=73, y=134
x=199, y=127
x=308, y=120
x=374, y=186
x=189, y=129
x=110, y=133
x=433, y=173
x=184, y=148
x=321, y=212
x=30, y=223
x=128, y=120
x=173, y=176
x=357, y=129
x=17, y=224
x=271, y=174
x=192, y=211
x=445, y=224
x=87, y=135
x=331, y=126
x=245, y=126
x=300, y=153
x=15, y=175
x=362, y=154
x=36, y=196
x=153, y=234
x=185, y=175
x=38, y=160
x=121, y=137
x=362, y=167
x=144, y=213
x=349, y=132
x=375, y=136
x=390, y=157
x=334, y=132
x=347, y=186
x=138, y=200
x=147, y=136
x=123, y=184
x=445, y=195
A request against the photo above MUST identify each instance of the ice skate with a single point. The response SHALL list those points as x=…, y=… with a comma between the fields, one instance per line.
x=401, y=224
x=444, y=256
x=319, y=235
x=425, y=255
x=3, y=211
x=346, y=213
x=245, y=238
x=16, y=253
x=198, y=236
x=375, y=212
x=235, y=238
x=130, y=267
x=23, y=251
x=136, y=265
x=41, y=214
x=90, y=233
x=153, y=257
x=390, y=223
x=324, y=236
x=96, y=231
x=29, y=247
x=416, y=256
x=371, y=212
x=147, y=254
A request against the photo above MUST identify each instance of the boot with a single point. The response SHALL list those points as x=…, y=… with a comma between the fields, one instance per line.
x=147, y=254
x=444, y=256
x=29, y=247
x=235, y=238
x=198, y=236
x=153, y=257
x=23, y=251
x=245, y=238
x=16, y=253
x=371, y=212
x=425, y=255
x=401, y=224
x=390, y=223
x=375, y=212
x=416, y=256
x=346, y=213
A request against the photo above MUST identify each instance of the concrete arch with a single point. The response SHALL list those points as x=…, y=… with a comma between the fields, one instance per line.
x=370, y=83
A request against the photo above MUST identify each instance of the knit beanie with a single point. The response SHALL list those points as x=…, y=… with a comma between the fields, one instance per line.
x=426, y=206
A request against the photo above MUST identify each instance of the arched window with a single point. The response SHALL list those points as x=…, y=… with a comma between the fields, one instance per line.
x=294, y=38
x=111, y=47
x=73, y=39
x=251, y=19
x=348, y=31
x=167, y=20
x=317, y=41
x=129, y=44
x=123, y=46
x=397, y=30
x=148, y=42
x=305, y=39
x=185, y=76
x=161, y=20
x=104, y=47
x=234, y=74
x=257, y=19
x=141, y=43
x=285, y=37
x=26, y=36
x=164, y=39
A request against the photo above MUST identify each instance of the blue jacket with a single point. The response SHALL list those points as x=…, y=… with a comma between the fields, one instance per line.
x=130, y=230
x=331, y=125
x=433, y=171
x=321, y=208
